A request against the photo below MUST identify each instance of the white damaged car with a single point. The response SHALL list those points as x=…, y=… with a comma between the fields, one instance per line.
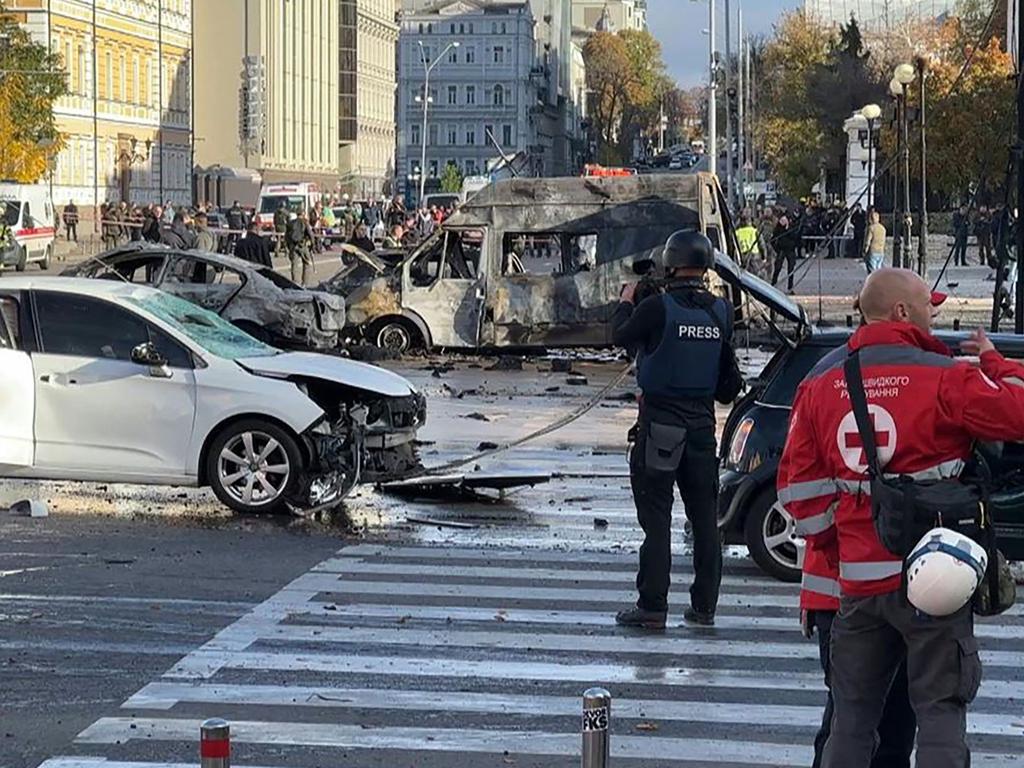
x=114, y=382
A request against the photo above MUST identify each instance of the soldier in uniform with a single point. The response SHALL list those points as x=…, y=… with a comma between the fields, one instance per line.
x=683, y=337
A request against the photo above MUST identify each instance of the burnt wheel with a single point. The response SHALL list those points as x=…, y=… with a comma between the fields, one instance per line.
x=396, y=334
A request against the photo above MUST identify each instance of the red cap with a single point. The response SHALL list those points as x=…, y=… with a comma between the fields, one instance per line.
x=938, y=298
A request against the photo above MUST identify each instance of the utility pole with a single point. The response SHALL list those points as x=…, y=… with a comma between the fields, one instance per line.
x=730, y=179
x=922, y=240
x=712, y=148
x=741, y=142
x=1018, y=316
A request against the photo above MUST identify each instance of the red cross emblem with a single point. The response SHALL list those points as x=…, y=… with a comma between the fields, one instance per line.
x=851, y=447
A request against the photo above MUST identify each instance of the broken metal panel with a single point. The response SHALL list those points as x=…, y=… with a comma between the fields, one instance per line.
x=374, y=299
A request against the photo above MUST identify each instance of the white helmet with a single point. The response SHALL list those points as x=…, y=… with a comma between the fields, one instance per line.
x=943, y=571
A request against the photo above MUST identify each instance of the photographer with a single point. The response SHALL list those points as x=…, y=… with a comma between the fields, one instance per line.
x=685, y=361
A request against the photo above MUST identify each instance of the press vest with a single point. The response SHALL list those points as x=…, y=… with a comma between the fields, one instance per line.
x=685, y=363
x=747, y=237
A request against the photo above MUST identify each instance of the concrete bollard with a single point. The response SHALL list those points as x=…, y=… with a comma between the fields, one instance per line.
x=597, y=710
x=215, y=744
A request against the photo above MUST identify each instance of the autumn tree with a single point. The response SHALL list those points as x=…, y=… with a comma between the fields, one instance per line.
x=31, y=80
x=607, y=63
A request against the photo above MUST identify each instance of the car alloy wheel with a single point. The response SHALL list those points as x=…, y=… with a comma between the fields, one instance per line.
x=254, y=469
x=780, y=540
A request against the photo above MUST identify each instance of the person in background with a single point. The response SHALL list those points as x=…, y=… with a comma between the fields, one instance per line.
x=71, y=221
x=205, y=239
x=785, y=237
x=281, y=219
x=961, y=227
x=254, y=248
x=859, y=222
x=425, y=223
x=874, y=243
x=361, y=238
x=298, y=237
x=983, y=231
x=394, y=237
x=178, y=235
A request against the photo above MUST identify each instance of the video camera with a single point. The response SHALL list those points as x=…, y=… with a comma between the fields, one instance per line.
x=652, y=278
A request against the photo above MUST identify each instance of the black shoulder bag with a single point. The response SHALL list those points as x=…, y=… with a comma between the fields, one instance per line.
x=904, y=509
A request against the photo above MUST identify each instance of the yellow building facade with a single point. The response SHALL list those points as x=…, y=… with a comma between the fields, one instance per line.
x=127, y=119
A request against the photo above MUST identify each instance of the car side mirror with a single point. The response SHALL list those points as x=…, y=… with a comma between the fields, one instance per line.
x=147, y=354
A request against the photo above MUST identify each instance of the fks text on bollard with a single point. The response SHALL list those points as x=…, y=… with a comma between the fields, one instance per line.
x=597, y=708
x=215, y=744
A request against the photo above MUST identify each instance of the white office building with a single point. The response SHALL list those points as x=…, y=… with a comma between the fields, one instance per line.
x=491, y=85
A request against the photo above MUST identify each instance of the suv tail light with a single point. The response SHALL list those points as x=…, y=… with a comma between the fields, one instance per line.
x=739, y=441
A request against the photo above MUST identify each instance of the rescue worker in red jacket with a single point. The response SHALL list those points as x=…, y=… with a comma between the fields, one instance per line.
x=927, y=411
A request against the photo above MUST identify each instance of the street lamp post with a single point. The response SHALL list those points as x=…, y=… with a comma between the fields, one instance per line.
x=712, y=148
x=922, y=243
x=905, y=74
x=871, y=113
x=896, y=90
x=428, y=67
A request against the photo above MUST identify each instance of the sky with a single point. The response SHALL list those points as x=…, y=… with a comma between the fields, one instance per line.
x=678, y=23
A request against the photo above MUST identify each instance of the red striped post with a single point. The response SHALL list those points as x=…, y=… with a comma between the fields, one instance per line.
x=215, y=744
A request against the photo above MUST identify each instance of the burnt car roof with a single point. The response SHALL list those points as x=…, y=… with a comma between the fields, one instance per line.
x=220, y=259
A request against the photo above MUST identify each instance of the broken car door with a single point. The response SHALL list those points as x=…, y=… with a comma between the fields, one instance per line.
x=211, y=286
x=17, y=403
x=547, y=291
x=444, y=286
x=99, y=414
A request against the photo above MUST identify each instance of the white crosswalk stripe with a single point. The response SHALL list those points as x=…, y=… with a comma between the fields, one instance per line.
x=445, y=656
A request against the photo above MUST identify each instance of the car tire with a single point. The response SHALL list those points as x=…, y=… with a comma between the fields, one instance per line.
x=396, y=334
x=254, y=466
x=22, y=260
x=47, y=258
x=768, y=532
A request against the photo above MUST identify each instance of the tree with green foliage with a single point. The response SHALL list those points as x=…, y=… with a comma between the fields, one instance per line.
x=451, y=178
x=31, y=80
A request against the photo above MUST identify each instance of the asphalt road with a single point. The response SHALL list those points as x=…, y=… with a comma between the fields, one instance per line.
x=91, y=608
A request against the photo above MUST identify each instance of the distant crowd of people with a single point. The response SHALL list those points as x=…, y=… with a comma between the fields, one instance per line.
x=774, y=238
x=384, y=223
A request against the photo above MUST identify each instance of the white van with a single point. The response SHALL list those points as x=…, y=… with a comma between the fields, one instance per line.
x=297, y=196
x=28, y=225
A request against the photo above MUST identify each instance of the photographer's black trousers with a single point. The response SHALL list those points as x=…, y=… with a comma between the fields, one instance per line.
x=653, y=478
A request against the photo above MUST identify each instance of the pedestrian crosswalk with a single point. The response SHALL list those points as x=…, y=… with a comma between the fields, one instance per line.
x=390, y=655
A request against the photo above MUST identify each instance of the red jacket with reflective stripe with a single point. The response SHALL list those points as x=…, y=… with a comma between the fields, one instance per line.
x=927, y=410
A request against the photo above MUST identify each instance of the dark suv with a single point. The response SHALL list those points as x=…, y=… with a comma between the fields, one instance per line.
x=755, y=432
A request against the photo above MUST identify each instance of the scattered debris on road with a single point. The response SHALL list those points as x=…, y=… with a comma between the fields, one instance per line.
x=30, y=508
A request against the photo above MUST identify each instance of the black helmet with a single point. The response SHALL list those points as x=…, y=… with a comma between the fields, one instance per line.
x=688, y=248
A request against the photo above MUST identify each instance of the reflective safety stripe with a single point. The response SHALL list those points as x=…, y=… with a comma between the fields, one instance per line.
x=809, y=526
x=820, y=585
x=854, y=487
x=943, y=471
x=811, y=489
x=870, y=571
x=1013, y=380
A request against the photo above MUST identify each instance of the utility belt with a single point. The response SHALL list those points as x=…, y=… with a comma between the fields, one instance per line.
x=903, y=509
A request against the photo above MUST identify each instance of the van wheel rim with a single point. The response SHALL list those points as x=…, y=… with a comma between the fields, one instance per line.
x=253, y=468
x=393, y=337
x=778, y=532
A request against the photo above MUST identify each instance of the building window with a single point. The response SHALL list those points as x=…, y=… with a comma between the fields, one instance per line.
x=453, y=136
x=135, y=79
x=471, y=167
x=462, y=29
x=451, y=29
x=430, y=29
x=471, y=136
x=506, y=135
x=421, y=29
x=453, y=56
x=503, y=30
x=80, y=74
x=471, y=94
x=453, y=95
x=108, y=60
x=414, y=135
x=432, y=136
x=470, y=55
x=426, y=54
x=499, y=54
x=494, y=27
x=488, y=132
x=498, y=97
x=433, y=169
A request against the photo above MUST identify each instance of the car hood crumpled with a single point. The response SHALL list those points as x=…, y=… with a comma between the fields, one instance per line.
x=329, y=368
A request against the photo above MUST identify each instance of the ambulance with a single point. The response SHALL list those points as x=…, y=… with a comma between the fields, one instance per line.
x=295, y=196
x=27, y=231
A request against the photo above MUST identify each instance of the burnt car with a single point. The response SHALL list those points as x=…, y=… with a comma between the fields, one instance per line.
x=530, y=263
x=260, y=301
x=755, y=433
